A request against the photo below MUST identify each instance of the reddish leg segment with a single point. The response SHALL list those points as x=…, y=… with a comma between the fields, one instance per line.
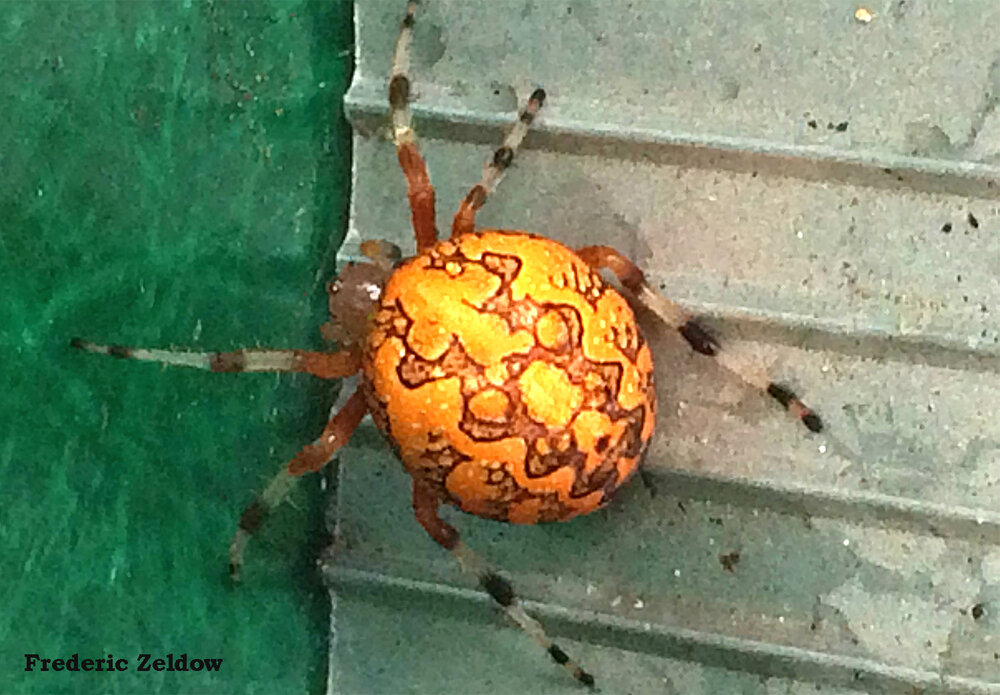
x=311, y=458
x=697, y=337
x=325, y=365
x=494, y=168
x=425, y=506
x=419, y=188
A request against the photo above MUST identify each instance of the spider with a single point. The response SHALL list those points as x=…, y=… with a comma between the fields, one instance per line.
x=511, y=379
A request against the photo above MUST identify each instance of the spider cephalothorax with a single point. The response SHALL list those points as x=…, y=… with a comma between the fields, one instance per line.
x=510, y=377
x=512, y=380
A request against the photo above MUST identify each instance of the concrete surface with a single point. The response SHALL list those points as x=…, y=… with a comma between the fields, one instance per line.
x=825, y=192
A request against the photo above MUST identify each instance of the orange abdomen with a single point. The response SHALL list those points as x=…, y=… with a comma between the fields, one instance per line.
x=510, y=377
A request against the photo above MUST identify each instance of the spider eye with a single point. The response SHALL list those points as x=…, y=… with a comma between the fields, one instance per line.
x=373, y=290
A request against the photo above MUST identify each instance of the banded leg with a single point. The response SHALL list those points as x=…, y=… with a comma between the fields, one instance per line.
x=311, y=458
x=325, y=365
x=419, y=188
x=425, y=506
x=697, y=337
x=494, y=168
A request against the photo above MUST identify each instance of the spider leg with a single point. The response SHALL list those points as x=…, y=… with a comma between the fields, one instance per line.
x=494, y=168
x=697, y=337
x=425, y=506
x=310, y=459
x=325, y=365
x=419, y=188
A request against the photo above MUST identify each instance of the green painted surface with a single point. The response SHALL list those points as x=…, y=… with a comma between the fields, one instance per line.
x=170, y=175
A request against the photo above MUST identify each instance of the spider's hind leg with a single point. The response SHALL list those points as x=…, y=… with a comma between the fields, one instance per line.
x=700, y=340
x=425, y=506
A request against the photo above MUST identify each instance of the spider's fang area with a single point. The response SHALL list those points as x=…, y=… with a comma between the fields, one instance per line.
x=699, y=339
x=497, y=587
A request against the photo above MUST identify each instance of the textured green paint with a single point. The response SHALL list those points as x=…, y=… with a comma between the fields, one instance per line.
x=170, y=174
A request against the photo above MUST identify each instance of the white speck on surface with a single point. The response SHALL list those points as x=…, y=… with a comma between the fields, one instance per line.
x=677, y=573
x=900, y=551
x=639, y=603
x=616, y=601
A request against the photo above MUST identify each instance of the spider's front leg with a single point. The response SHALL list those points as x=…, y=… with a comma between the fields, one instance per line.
x=353, y=294
x=700, y=340
x=425, y=507
x=419, y=188
x=494, y=168
x=310, y=459
x=325, y=365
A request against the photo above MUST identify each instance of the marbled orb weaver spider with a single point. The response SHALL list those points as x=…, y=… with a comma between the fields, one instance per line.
x=510, y=378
